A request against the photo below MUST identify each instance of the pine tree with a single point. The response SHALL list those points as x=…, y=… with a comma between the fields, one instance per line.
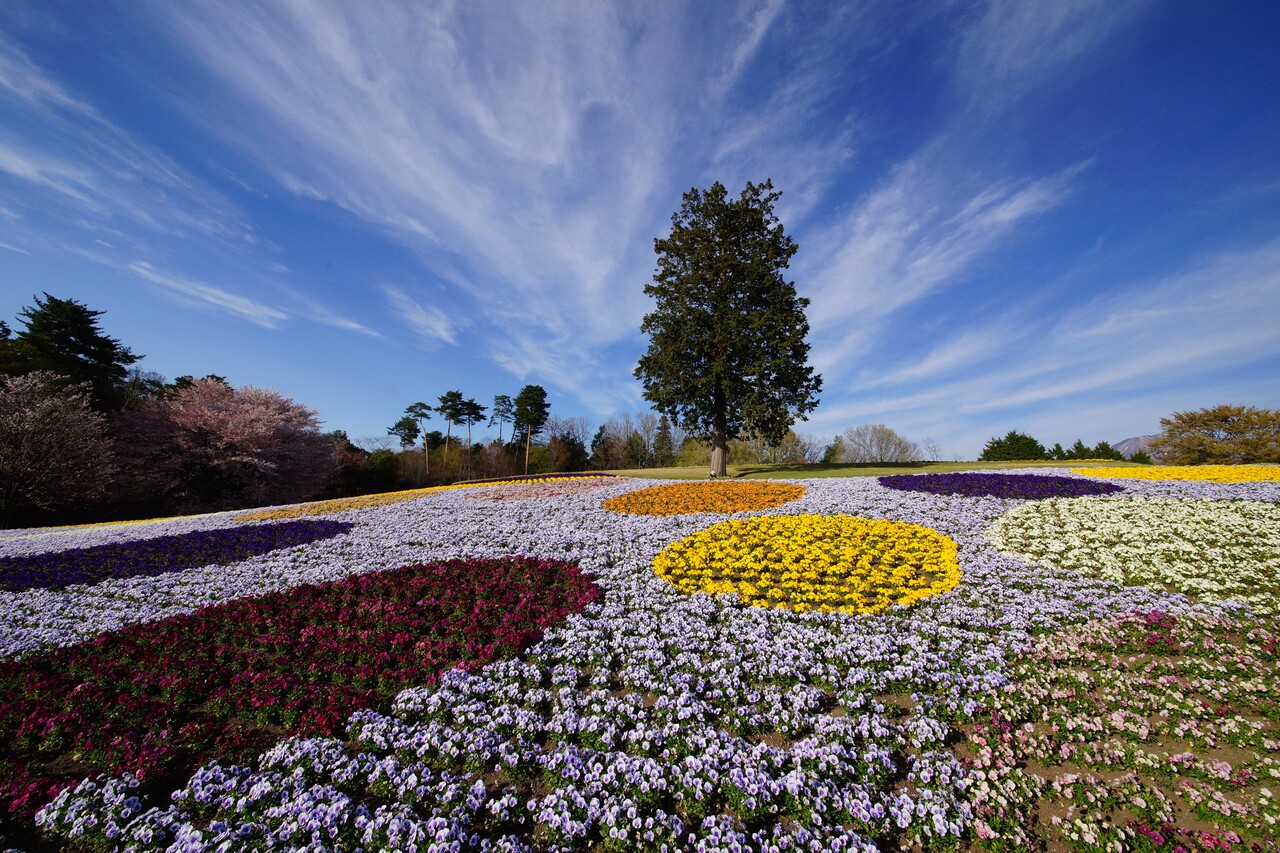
x=664, y=448
x=62, y=336
x=727, y=350
x=531, y=413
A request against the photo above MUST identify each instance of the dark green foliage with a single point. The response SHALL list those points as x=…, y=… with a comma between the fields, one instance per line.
x=1015, y=446
x=664, y=448
x=531, y=413
x=62, y=336
x=567, y=453
x=1142, y=458
x=384, y=469
x=1104, y=450
x=405, y=429
x=833, y=451
x=727, y=349
x=503, y=411
x=1079, y=450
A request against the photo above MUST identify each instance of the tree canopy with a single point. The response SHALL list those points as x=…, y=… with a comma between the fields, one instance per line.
x=727, y=349
x=1219, y=435
x=531, y=413
x=62, y=336
x=54, y=450
x=1015, y=446
x=211, y=446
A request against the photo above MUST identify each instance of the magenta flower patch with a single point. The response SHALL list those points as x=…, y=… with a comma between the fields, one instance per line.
x=160, y=699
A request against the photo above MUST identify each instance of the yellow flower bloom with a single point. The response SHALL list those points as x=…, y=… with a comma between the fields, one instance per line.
x=1212, y=473
x=722, y=497
x=814, y=562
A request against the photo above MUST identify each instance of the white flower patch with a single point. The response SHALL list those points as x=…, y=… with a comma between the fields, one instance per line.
x=1215, y=550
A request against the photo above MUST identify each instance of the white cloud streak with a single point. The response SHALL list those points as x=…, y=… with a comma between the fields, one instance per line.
x=907, y=240
x=1146, y=343
x=1017, y=43
x=209, y=297
x=428, y=322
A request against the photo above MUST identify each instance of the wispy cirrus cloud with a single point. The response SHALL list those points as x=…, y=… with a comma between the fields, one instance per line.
x=426, y=321
x=93, y=173
x=912, y=237
x=205, y=296
x=1102, y=362
x=1015, y=44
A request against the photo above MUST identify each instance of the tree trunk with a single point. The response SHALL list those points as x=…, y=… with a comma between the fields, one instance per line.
x=468, y=445
x=528, y=440
x=719, y=441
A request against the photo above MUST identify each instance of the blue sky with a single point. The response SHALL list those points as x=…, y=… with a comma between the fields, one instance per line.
x=1060, y=217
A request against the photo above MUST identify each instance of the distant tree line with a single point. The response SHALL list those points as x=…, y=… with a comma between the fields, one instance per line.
x=86, y=435
x=1218, y=435
x=1019, y=447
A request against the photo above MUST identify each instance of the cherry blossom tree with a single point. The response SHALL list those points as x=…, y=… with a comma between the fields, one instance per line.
x=211, y=446
x=54, y=450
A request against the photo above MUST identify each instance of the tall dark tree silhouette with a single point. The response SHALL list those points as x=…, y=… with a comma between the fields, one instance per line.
x=531, y=413
x=503, y=411
x=421, y=413
x=471, y=412
x=62, y=336
x=450, y=409
x=727, y=350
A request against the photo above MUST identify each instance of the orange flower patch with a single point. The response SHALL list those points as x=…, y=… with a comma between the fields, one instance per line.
x=721, y=497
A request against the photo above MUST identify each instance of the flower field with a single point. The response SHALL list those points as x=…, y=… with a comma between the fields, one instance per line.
x=1029, y=662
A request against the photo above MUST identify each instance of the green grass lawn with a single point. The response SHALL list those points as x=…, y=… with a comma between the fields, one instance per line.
x=872, y=469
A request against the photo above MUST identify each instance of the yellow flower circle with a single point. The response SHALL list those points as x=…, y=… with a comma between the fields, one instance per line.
x=1212, y=473
x=814, y=562
x=684, y=498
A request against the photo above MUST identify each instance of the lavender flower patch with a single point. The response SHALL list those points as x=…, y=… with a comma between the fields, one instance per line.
x=160, y=555
x=652, y=718
x=1028, y=486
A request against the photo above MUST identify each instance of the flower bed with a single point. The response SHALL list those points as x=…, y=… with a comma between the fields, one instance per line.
x=1031, y=486
x=162, y=554
x=1149, y=732
x=814, y=562
x=686, y=498
x=654, y=716
x=387, y=498
x=160, y=699
x=1217, y=550
x=541, y=489
x=1208, y=473
x=337, y=505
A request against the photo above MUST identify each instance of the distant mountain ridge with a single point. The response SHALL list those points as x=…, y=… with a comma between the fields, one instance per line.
x=1130, y=446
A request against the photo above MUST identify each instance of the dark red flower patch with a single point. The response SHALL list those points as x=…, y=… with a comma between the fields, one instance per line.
x=222, y=683
x=1032, y=486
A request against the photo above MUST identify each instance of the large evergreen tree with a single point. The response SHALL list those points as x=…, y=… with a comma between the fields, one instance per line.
x=531, y=413
x=727, y=350
x=62, y=336
x=1014, y=447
